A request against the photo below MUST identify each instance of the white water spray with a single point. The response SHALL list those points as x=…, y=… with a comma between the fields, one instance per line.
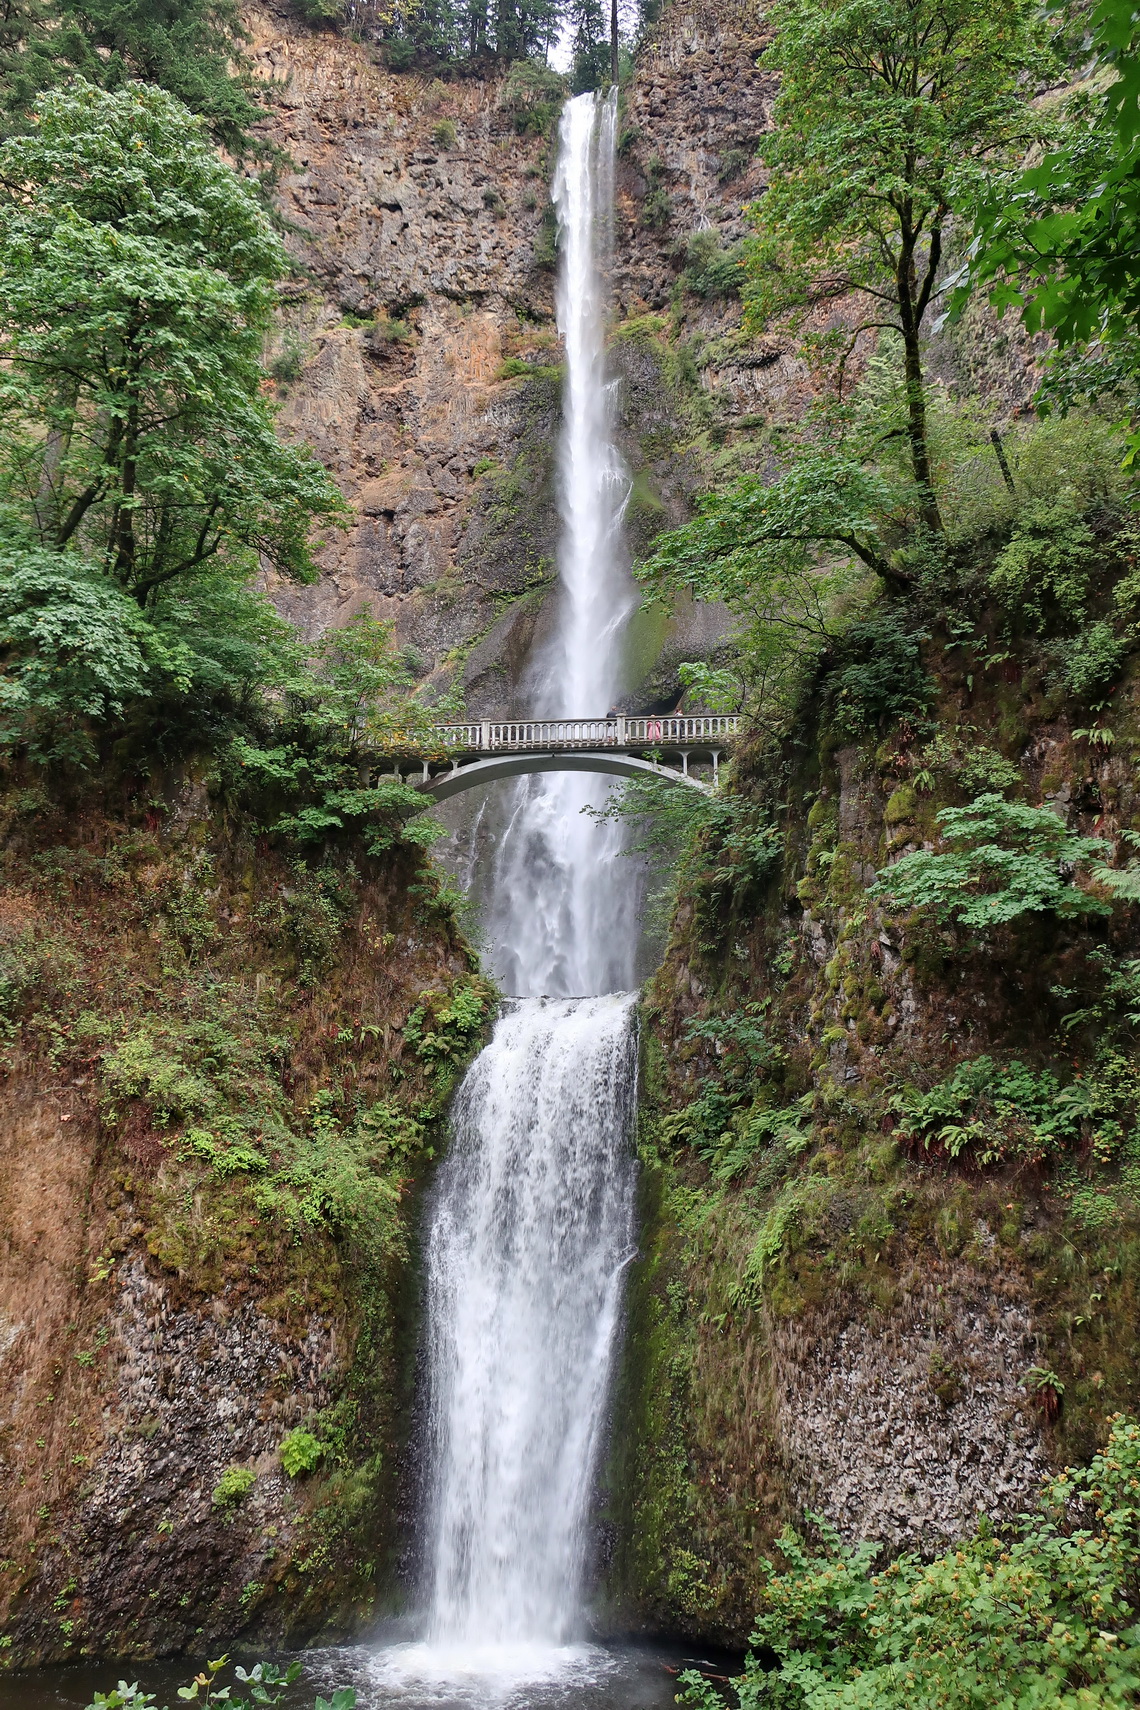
x=531, y=1220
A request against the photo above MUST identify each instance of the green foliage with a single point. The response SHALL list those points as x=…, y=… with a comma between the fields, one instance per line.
x=958, y=757
x=141, y=479
x=878, y=676
x=1005, y=860
x=208, y=1075
x=1060, y=239
x=355, y=704
x=711, y=271
x=1074, y=458
x=726, y=1125
x=887, y=117
x=996, y=1113
x=233, y=1487
x=1091, y=660
x=444, y=134
x=443, y=1028
x=768, y=551
x=71, y=643
x=300, y=1452
x=656, y=208
x=1044, y=1620
x=138, y=276
x=457, y=31
x=268, y=1685
x=36, y=966
x=150, y=1064
x=289, y=363
x=753, y=544
x=1044, y=569
x=533, y=94
x=192, y=49
x=753, y=1136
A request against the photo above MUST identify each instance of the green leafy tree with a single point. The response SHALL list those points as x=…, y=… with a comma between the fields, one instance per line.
x=889, y=114
x=136, y=285
x=757, y=547
x=139, y=463
x=1061, y=239
x=344, y=715
x=1004, y=860
x=191, y=48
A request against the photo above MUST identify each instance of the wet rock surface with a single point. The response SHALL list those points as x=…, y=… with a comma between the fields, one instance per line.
x=153, y=1560
x=904, y=1430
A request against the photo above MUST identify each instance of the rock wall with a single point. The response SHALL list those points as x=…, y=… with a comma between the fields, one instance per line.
x=214, y=1126
x=418, y=352
x=847, y=1322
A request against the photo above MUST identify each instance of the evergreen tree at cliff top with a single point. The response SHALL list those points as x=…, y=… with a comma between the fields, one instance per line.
x=192, y=48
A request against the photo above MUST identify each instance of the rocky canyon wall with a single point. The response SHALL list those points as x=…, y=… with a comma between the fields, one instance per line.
x=418, y=351
x=218, y=1109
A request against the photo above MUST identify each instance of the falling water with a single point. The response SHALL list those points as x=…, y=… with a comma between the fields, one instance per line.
x=564, y=902
x=531, y=1219
x=525, y=1256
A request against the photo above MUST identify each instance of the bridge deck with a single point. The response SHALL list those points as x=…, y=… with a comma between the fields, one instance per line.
x=646, y=735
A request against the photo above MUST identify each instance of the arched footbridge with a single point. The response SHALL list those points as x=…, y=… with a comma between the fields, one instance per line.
x=653, y=746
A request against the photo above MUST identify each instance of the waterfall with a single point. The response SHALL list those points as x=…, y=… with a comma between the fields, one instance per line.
x=530, y=1225
x=563, y=915
x=530, y=1235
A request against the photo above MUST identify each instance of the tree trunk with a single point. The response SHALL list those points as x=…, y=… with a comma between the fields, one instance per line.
x=915, y=389
x=124, y=568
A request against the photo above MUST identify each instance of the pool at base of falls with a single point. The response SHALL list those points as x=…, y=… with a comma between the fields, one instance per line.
x=406, y=1676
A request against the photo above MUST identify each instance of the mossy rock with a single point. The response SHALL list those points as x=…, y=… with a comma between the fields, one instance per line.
x=902, y=808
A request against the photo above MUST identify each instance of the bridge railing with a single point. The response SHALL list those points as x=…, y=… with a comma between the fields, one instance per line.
x=649, y=731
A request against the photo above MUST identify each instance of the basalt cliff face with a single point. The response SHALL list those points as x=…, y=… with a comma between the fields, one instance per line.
x=418, y=351
x=219, y=1103
x=846, y=1316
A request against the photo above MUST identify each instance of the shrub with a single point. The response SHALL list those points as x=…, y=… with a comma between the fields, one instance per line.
x=1006, y=859
x=1077, y=456
x=289, y=363
x=1044, y=569
x=533, y=94
x=711, y=271
x=732, y=163
x=878, y=676
x=399, y=52
x=444, y=1026
x=300, y=1452
x=656, y=208
x=1046, y=1617
x=1091, y=660
x=148, y=1065
x=995, y=1112
x=444, y=134
x=233, y=1487
x=262, y=1678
